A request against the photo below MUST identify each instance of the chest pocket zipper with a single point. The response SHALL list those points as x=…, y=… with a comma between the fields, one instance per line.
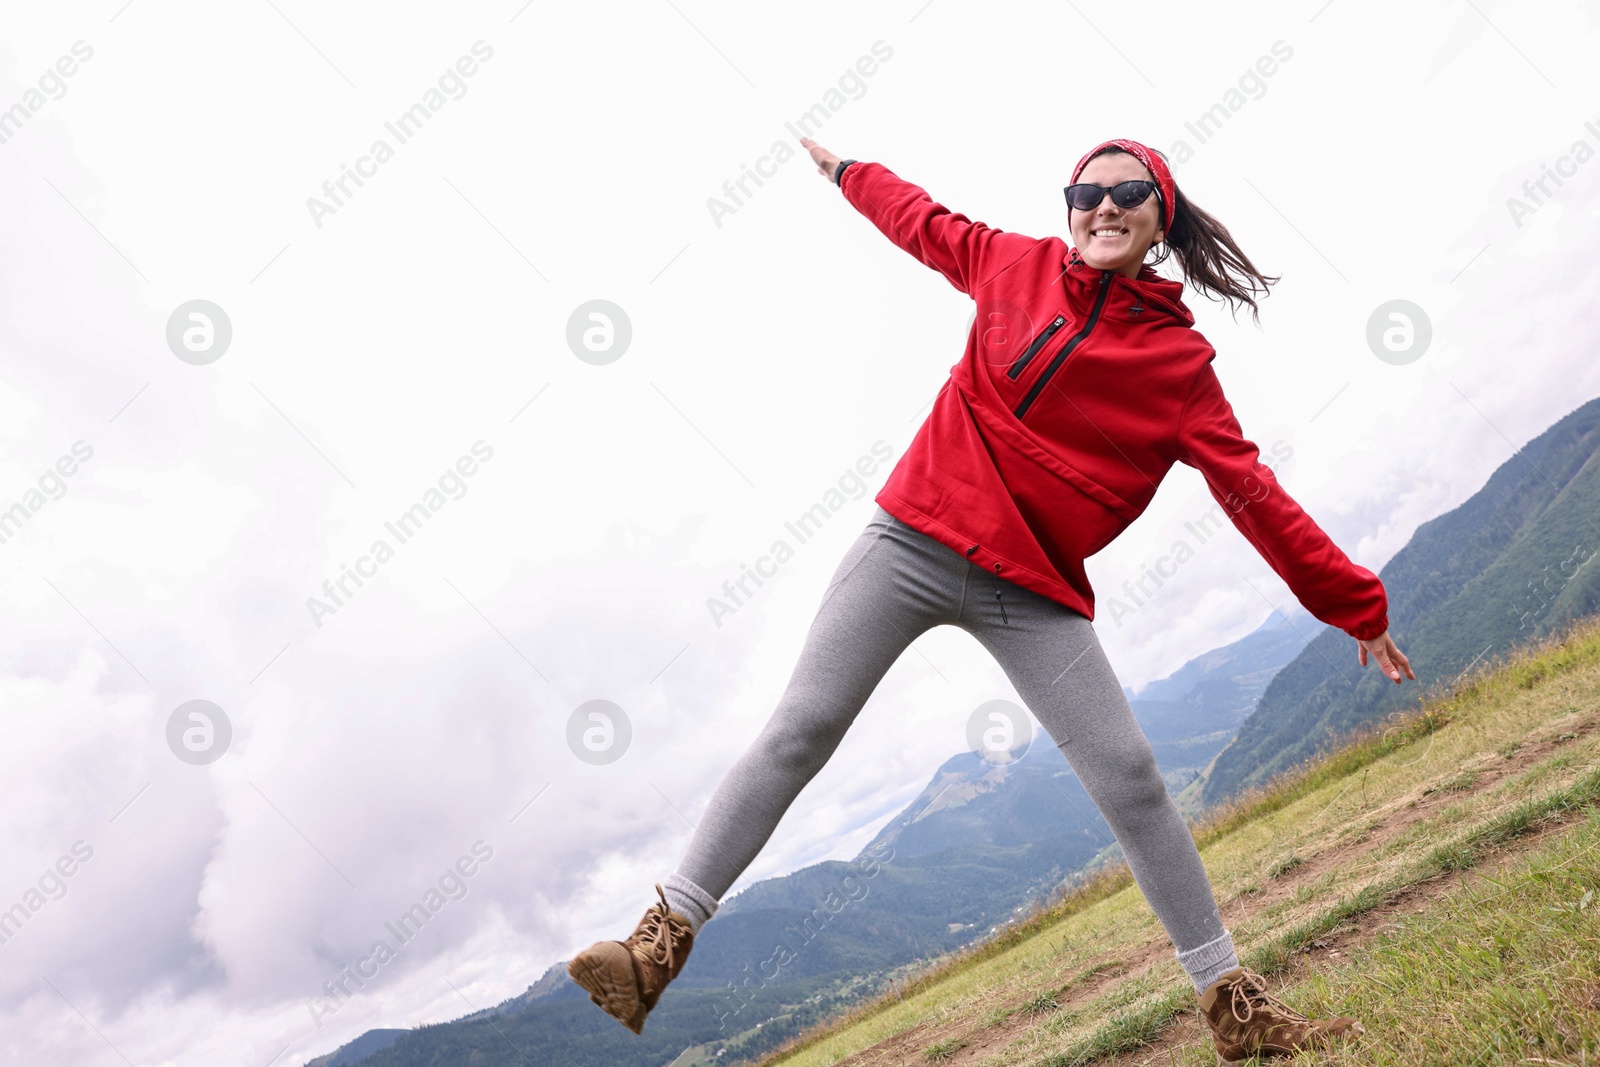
x=1066, y=349
x=1033, y=349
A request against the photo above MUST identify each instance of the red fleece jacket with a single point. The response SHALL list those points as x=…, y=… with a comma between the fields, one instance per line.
x=1077, y=392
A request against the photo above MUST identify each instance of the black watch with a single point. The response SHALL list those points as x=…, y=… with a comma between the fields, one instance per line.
x=838, y=172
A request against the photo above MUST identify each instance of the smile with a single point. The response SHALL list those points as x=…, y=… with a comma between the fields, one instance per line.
x=1107, y=233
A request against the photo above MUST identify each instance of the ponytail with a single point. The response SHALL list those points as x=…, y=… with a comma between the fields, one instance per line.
x=1210, y=259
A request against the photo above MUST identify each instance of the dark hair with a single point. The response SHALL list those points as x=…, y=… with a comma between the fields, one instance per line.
x=1209, y=257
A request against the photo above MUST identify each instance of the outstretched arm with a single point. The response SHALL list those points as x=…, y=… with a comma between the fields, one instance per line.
x=1326, y=582
x=969, y=254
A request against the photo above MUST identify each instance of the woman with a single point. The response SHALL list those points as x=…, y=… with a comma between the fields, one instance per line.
x=1082, y=383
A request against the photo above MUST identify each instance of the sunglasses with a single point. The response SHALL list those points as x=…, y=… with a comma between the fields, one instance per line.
x=1130, y=194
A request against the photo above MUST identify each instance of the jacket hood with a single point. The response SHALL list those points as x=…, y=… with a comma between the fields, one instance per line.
x=1159, y=295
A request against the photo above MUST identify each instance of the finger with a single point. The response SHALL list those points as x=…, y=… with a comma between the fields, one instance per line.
x=1405, y=665
x=1388, y=668
x=1399, y=658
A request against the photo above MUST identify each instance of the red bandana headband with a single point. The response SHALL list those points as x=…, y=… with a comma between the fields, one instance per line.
x=1153, y=162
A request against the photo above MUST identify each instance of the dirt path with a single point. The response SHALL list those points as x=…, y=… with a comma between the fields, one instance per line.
x=1384, y=823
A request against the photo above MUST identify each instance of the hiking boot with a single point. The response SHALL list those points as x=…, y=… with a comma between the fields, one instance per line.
x=626, y=977
x=1245, y=1019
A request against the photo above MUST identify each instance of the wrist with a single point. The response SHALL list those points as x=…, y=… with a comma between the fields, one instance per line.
x=838, y=172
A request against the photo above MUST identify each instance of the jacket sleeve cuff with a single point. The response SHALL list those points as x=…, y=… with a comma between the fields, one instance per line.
x=1367, y=631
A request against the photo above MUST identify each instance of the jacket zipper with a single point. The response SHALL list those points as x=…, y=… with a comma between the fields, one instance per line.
x=1066, y=350
x=1033, y=349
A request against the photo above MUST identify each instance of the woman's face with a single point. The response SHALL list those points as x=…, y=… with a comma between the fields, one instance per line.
x=1111, y=237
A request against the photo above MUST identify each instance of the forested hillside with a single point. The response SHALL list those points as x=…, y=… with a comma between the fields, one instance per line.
x=1514, y=562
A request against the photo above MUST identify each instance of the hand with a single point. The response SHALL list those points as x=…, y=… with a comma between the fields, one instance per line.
x=825, y=160
x=1390, y=659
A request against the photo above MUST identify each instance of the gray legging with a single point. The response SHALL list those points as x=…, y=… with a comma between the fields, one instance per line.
x=894, y=584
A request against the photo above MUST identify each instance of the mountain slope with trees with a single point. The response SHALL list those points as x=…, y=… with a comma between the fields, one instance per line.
x=1512, y=563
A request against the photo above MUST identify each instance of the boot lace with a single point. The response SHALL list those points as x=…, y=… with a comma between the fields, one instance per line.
x=1249, y=995
x=656, y=935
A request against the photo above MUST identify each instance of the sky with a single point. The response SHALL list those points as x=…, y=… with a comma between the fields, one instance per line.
x=190, y=875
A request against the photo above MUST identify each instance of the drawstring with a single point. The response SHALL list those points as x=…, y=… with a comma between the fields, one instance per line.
x=995, y=577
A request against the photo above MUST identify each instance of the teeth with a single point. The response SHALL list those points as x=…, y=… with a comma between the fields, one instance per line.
x=1108, y=233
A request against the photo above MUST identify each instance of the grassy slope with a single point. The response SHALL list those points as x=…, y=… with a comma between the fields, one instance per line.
x=1510, y=963
x=1408, y=804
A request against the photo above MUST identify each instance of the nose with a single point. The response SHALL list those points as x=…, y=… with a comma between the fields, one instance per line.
x=1108, y=210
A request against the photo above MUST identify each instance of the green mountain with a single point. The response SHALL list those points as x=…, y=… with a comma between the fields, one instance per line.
x=355, y=1051
x=1509, y=564
x=961, y=860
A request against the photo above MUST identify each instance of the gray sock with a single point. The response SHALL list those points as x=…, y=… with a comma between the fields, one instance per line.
x=689, y=900
x=1209, y=961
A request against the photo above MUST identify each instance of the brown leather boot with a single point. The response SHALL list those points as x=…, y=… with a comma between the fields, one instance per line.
x=626, y=977
x=1245, y=1019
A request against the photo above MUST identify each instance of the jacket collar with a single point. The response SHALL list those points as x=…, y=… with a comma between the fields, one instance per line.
x=1144, y=298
